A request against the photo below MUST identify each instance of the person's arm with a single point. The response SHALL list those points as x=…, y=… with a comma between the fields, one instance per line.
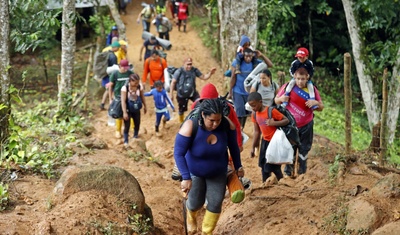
x=256, y=138
x=145, y=71
x=171, y=89
x=143, y=101
x=232, y=82
x=138, y=17
x=169, y=101
x=208, y=75
x=123, y=103
x=141, y=52
x=274, y=122
x=265, y=58
x=183, y=142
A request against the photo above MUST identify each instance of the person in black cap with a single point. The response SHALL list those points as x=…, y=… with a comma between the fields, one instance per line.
x=113, y=33
x=150, y=44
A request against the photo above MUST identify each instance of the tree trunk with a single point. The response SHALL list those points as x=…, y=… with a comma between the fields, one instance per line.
x=236, y=18
x=5, y=105
x=394, y=101
x=68, y=42
x=117, y=18
x=370, y=98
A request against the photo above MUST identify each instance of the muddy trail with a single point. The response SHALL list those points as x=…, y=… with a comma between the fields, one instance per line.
x=292, y=206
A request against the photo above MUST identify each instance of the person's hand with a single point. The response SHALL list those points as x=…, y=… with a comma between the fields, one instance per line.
x=111, y=100
x=252, y=153
x=270, y=122
x=138, y=21
x=126, y=116
x=172, y=97
x=212, y=71
x=241, y=148
x=186, y=185
x=240, y=172
x=257, y=53
x=140, y=58
x=144, y=109
x=229, y=96
x=311, y=103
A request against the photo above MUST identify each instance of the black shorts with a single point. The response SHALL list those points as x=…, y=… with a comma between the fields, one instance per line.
x=183, y=102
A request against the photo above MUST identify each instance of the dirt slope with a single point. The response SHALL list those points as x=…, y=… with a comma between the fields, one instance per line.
x=294, y=206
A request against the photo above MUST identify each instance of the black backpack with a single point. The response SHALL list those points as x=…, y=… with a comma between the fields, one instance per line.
x=185, y=86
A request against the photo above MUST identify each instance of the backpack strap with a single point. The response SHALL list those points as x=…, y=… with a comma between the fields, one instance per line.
x=270, y=108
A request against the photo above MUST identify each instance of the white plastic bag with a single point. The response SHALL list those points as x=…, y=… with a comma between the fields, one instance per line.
x=279, y=150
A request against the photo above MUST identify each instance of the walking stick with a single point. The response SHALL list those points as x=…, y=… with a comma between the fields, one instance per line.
x=296, y=164
x=184, y=194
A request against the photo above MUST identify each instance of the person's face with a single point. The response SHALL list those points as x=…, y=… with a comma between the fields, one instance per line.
x=188, y=66
x=123, y=69
x=256, y=105
x=264, y=79
x=302, y=59
x=301, y=80
x=246, y=45
x=159, y=88
x=155, y=56
x=134, y=83
x=248, y=57
x=114, y=32
x=212, y=121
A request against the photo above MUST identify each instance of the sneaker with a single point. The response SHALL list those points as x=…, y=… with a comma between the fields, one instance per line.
x=126, y=145
x=158, y=134
x=102, y=107
x=135, y=136
x=246, y=182
x=118, y=134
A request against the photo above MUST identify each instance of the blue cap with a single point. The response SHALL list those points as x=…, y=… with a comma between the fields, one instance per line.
x=114, y=27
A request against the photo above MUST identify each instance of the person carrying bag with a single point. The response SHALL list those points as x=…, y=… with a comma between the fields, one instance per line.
x=265, y=125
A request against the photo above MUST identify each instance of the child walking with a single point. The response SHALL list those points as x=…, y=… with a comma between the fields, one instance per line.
x=132, y=100
x=302, y=61
x=161, y=98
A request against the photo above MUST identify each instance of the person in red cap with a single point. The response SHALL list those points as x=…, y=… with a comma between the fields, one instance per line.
x=185, y=82
x=117, y=81
x=209, y=91
x=302, y=61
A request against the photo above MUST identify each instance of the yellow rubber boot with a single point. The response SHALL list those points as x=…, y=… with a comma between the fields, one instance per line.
x=209, y=222
x=132, y=124
x=191, y=221
x=118, y=125
x=181, y=118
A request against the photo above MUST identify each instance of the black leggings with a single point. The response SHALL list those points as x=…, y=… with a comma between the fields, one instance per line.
x=136, y=121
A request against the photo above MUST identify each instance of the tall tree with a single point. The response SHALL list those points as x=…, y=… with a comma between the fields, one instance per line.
x=117, y=18
x=377, y=15
x=236, y=18
x=68, y=44
x=5, y=105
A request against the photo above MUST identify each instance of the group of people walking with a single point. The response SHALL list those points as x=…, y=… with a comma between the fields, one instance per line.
x=206, y=141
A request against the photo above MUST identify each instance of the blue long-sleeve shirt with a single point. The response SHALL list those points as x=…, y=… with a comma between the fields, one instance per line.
x=160, y=98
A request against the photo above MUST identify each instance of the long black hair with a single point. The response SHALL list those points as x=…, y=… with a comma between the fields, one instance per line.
x=210, y=106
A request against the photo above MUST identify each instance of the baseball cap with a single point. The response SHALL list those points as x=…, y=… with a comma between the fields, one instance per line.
x=301, y=52
x=153, y=37
x=188, y=60
x=124, y=64
x=115, y=44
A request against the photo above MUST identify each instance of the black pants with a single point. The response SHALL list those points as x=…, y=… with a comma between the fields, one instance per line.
x=164, y=35
x=267, y=168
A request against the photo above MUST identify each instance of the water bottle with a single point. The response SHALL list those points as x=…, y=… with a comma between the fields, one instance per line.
x=111, y=121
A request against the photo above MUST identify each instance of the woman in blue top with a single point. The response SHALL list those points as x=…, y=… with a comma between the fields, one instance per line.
x=202, y=161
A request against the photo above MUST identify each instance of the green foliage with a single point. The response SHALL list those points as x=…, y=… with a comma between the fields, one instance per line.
x=32, y=25
x=140, y=224
x=38, y=137
x=334, y=168
x=100, y=22
x=4, y=196
x=336, y=222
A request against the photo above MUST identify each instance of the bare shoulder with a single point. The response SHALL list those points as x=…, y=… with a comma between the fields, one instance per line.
x=186, y=128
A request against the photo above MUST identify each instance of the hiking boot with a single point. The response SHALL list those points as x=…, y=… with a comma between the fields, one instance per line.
x=118, y=135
